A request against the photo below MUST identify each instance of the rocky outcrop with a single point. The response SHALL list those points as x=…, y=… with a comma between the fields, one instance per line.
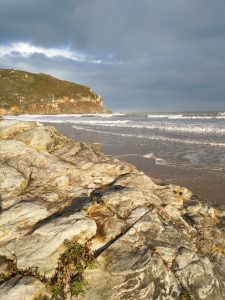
x=28, y=93
x=149, y=241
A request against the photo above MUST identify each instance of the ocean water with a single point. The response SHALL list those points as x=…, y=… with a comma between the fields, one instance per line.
x=179, y=142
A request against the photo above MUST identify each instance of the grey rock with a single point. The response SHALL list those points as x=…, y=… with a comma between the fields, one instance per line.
x=23, y=288
x=151, y=241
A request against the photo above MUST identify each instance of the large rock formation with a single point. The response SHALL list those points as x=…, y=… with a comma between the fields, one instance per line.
x=150, y=241
x=28, y=93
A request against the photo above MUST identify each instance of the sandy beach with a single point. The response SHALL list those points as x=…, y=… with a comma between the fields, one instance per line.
x=66, y=206
x=205, y=183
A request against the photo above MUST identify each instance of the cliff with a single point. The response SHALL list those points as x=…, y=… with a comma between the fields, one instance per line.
x=28, y=93
x=76, y=224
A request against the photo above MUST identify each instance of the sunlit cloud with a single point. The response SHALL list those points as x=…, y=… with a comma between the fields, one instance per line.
x=143, y=59
x=27, y=49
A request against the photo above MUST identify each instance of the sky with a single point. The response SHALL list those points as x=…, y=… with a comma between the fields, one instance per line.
x=139, y=55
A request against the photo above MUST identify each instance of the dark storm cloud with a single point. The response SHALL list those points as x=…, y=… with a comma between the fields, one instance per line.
x=146, y=54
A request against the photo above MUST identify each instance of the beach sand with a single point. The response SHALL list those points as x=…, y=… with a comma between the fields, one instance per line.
x=208, y=185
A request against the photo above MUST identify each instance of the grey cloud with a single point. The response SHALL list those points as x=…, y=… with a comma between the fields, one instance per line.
x=165, y=55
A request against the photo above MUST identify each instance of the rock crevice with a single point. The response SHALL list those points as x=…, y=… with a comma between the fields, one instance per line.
x=150, y=241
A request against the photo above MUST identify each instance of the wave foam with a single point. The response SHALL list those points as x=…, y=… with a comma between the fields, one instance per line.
x=158, y=161
x=164, y=116
x=153, y=125
x=149, y=155
x=147, y=125
x=190, y=117
x=221, y=114
x=160, y=138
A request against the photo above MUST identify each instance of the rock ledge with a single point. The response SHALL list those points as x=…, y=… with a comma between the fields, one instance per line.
x=151, y=241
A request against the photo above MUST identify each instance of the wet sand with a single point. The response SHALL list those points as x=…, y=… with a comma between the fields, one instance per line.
x=207, y=184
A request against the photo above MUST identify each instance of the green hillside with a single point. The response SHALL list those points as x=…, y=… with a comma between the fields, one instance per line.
x=25, y=92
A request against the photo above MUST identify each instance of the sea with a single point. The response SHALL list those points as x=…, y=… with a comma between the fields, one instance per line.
x=176, y=148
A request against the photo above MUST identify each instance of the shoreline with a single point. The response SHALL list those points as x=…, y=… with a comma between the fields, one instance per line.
x=62, y=198
x=207, y=185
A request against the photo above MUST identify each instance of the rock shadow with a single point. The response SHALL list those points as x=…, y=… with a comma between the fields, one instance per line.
x=76, y=205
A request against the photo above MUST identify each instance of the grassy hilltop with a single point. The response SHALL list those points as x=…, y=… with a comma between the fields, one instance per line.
x=25, y=92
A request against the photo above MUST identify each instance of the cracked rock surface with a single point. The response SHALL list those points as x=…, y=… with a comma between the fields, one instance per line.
x=151, y=241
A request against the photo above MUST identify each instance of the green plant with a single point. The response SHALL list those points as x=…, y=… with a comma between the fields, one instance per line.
x=29, y=92
x=56, y=291
x=69, y=278
x=185, y=295
x=78, y=286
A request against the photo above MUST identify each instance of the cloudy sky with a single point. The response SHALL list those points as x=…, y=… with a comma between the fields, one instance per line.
x=140, y=55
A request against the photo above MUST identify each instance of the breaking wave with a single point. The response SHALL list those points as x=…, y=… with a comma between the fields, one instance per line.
x=158, y=161
x=160, y=138
x=188, y=117
x=195, y=128
x=158, y=126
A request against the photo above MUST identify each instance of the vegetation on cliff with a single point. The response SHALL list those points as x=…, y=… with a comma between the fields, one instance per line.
x=68, y=279
x=25, y=92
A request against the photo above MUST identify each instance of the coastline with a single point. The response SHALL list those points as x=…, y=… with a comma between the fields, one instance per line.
x=208, y=185
x=59, y=195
